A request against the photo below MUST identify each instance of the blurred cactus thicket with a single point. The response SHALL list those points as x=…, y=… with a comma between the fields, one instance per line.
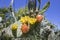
x=29, y=23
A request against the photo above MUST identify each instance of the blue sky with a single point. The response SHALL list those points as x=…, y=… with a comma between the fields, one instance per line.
x=52, y=14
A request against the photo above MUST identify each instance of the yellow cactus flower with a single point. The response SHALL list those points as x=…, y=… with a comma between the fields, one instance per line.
x=14, y=26
x=32, y=20
x=24, y=19
x=28, y=19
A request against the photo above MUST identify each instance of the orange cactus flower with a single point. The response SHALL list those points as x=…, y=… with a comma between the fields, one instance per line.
x=25, y=28
x=39, y=18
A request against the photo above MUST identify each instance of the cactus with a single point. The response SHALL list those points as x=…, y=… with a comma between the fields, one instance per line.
x=42, y=30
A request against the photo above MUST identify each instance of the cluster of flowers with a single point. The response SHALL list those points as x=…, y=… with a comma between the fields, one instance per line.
x=26, y=21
